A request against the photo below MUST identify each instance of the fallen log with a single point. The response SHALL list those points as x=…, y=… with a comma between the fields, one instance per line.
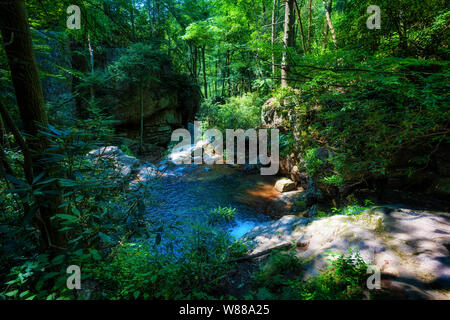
x=284, y=246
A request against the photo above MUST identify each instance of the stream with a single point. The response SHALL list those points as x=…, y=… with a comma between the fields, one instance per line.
x=185, y=194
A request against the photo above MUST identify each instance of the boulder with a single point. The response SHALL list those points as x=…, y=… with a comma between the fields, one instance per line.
x=273, y=233
x=207, y=159
x=270, y=116
x=276, y=114
x=147, y=172
x=123, y=164
x=110, y=151
x=168, y=105
x=288, y=167
x=126, y=165
x=286, y=203
x=285, y=185
x=181, y=154
x=410, y=247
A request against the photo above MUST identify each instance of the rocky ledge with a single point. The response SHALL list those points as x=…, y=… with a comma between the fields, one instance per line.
x=410, y=247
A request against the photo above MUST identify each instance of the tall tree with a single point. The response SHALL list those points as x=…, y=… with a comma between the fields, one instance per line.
x=309, y=24
x=287, y=41
x=205, y=81
x=133, y=28
x=275, y=9
x=30, y=100
x=302, y=35
x=328, y=24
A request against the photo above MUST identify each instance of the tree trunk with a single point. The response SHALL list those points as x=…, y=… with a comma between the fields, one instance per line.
x=309, y=24
x=133, y=31
x=91, y=59
x=274, y=30
x=287, y=40
x=27, y=157
x=325, y=35
x=205, y=84
x=228, y=63
x=328, y=9
x=299, y=14
x=3, y=137
x=28, y=165
x=30, y=100
x=79, y=63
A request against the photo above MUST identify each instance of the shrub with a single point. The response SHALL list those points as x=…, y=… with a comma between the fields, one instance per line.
x=199, y=271
x=277, y=271
x=221, y=214
x=387, y=120
x=344, y=279
x=242, y=112
x=282, y=278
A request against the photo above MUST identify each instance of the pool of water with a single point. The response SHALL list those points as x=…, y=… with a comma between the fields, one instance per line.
x=241, y=228
x=194, y=191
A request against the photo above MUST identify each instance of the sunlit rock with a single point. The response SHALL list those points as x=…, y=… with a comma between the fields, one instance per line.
x=123, y=164
x=285, y=185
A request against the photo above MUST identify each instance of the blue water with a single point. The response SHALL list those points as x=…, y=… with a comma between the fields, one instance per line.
x=242, y=228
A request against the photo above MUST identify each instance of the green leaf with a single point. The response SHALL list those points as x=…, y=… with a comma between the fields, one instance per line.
x=37, y=178
x=95, y=255
x=15, y=180
x=12, y=293
x=76, y=212
x=68, y=217
x=58, y=260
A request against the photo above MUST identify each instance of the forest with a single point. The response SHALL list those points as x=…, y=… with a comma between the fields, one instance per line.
x=100, y=200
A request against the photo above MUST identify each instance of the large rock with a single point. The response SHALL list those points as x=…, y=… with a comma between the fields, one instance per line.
x=122, y=164
x=285, y=185
x=182, y=154
x=286, y=203
x=410, y=247
x=54, y=60
x=271, y=114
x=276, y=113
x=166, y=108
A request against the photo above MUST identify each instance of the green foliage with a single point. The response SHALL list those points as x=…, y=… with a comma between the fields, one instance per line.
x=334, y=180
x=137, y=271
x=378, y=106
x=96, y=212
x=242, y=112
x=277, y=272
x=222, y=214
x=368, y=121
x=140, y=64
x=287, y=144
x=126, y=149
x=344, y=279
x=281, y=278
x=313, y=163
x=350, y=210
